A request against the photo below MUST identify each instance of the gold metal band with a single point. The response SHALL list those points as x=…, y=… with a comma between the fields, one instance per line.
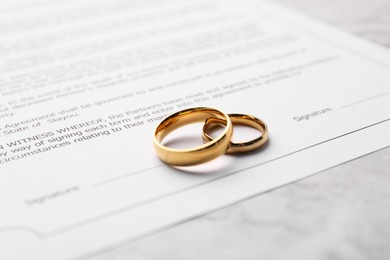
x=199, y=154
x=212, y=124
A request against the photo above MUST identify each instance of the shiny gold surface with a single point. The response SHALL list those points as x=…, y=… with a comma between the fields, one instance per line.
x=212, y=124
x=199, y=154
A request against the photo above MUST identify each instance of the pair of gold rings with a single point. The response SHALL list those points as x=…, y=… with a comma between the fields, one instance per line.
x=213, y=147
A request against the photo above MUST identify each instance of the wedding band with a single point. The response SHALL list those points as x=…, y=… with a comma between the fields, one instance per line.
x=199, y=154
x=212, y=124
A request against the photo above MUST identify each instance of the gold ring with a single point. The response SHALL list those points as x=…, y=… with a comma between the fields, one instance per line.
x=198, y=154
x=238, y=119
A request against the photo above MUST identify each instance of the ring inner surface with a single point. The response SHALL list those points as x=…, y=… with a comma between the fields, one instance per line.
x=184, y=118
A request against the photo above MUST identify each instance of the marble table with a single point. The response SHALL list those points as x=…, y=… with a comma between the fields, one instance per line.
x=341, y=213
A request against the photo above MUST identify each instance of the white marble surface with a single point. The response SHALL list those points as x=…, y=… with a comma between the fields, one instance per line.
x=342, y=213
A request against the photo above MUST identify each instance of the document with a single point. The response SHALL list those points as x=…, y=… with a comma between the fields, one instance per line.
x=83, y=84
